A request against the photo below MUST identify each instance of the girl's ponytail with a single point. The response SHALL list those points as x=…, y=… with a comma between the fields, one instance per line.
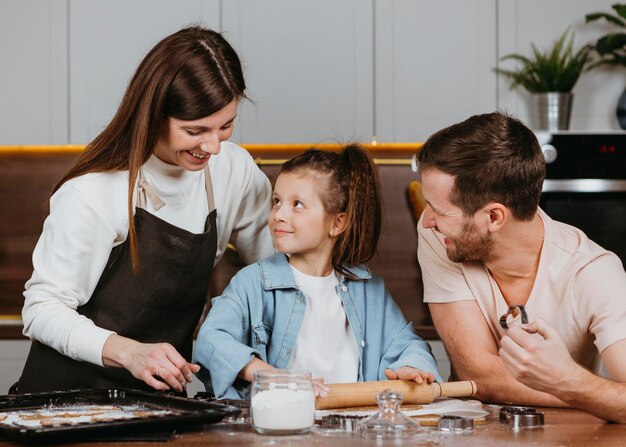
x=357, y=244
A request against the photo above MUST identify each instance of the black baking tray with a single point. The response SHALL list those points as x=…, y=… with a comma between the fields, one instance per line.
x=187, y=412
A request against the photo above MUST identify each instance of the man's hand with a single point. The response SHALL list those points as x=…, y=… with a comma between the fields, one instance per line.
x=536, y=356
x=410, y=373
x=157, y=364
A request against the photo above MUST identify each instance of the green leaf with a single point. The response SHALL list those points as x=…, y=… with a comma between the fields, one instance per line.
x=609, y=18
x=555, y=70
x=610, y=49
x=620, y=9
x=611, y=43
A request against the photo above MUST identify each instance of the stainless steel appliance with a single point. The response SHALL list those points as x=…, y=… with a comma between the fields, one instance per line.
x=585, y=184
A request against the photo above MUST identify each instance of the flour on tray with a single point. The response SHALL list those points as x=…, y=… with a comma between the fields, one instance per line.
x=69, y=415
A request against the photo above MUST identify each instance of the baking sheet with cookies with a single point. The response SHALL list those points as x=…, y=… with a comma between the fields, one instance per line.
x=83, y=413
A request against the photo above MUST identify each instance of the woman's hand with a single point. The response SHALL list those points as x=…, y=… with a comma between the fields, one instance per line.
x=159, y=365
x=410, y=373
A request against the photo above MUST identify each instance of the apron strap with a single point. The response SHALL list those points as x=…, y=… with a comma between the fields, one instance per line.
x=147, y=193
x=209, y=188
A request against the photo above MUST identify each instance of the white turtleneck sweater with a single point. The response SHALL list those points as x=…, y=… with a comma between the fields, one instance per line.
x=88, y=217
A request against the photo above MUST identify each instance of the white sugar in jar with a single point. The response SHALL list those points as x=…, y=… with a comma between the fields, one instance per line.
x=282, y=401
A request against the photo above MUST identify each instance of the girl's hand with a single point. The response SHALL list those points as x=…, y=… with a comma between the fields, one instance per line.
x=321, y=390
x=410, y=373
x=159, y=365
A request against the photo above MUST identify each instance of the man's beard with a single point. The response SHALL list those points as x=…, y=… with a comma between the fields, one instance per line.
x=470, y=245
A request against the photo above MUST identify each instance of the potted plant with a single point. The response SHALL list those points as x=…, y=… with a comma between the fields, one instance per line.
x=550, y=76
x=611, y=50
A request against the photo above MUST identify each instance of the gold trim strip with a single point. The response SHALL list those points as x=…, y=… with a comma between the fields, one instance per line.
x=10, y=320
x=402, y=146
x=378, y=161
x=409, y=148
x=41, y=149
x=286, y=147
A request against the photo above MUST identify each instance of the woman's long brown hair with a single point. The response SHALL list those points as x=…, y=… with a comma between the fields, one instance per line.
x=188, y=75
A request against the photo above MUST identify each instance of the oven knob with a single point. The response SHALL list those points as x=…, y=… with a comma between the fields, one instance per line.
x=549, y=153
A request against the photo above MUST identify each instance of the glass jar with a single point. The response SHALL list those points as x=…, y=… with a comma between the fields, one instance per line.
x=282, y=401
x=388, y=422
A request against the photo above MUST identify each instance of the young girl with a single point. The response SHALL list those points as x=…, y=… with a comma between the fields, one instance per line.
x=314, y=305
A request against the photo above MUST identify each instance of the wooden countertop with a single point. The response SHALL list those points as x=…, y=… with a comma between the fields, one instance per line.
x=562, y=428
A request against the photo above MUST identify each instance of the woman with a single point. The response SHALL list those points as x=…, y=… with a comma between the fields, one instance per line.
x=121, y=270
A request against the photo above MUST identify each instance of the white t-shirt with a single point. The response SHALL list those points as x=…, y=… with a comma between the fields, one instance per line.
x=89, y=216
x=326, y=345
x=580, y=288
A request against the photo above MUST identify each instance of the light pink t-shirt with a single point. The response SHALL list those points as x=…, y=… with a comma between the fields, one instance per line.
x=580, y=288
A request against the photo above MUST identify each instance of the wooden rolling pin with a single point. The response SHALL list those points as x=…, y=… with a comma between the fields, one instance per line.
x=362, y=394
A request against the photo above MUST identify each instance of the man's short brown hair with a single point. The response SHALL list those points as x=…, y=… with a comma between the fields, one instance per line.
x=493, y=158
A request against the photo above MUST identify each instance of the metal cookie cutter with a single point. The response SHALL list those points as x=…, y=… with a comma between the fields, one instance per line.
x=521, y=417
x=448, y=422
x=513, y=314
x=341, y=423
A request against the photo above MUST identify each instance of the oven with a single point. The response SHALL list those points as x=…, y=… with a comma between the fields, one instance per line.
x=585, y=184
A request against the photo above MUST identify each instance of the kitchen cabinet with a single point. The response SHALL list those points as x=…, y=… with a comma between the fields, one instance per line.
x=433, y=65
x=335, y=70
x=317, y=71
x=107, y=41
x=342, y=70
x=33, y=79
x=308, y=67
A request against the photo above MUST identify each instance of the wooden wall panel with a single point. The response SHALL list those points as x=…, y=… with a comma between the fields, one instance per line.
x=27, y=178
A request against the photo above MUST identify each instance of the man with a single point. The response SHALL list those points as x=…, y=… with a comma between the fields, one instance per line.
x=485, y=245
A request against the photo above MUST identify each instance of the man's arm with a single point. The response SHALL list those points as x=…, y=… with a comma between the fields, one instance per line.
x=474, y=355
x=536, y=355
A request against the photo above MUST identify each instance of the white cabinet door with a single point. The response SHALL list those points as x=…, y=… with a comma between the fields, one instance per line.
x=308, y=66
x=433, y=65
x=542, y=22
x=33, y=78
x=108, y=39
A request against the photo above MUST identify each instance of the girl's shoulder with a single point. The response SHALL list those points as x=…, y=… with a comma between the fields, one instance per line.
x=366, y=280
x=360, y=273
x=272, y=272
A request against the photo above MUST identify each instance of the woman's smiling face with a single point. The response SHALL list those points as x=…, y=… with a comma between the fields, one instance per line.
x=190, y=144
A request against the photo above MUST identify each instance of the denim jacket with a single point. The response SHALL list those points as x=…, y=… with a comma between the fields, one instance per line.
x=260, y=314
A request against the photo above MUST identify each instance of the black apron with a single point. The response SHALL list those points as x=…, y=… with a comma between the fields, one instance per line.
x=161, y=303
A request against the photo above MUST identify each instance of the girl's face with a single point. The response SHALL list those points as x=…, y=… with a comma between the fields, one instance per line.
x=190, y=144
x=299, y=224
